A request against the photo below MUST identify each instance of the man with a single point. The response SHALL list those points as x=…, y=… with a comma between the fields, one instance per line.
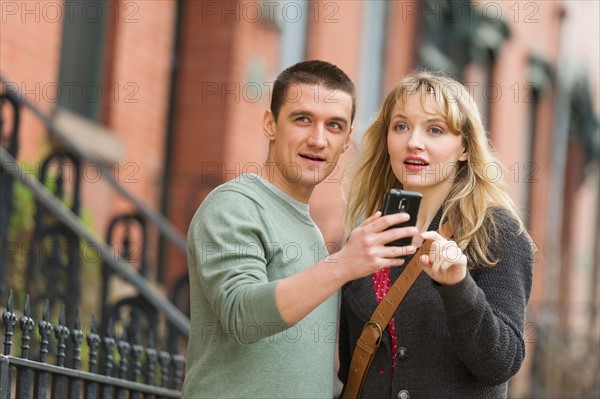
x=264, y=296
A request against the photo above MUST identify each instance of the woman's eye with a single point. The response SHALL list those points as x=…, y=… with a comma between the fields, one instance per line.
x=436, y=130
x=401, y=126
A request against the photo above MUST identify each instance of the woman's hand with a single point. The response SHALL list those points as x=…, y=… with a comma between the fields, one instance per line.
x=445, y=263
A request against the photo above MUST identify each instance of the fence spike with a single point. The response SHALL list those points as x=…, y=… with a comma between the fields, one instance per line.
x=77, y=339
x=27, y=324
x=61, y=332
x=45, y=329
x=10, y=302
x=124, y=348
x=9, y=319
x=61, y=316
x=47, y=310
x=136, y=353
x=77, y=320
x=93, y=340
x=164, y=359
x=27, y=306
x=108, y=342
x=151, y=358
x=179, y=362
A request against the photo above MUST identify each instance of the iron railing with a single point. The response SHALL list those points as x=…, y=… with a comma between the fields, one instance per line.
x=128, y=368
x=53, y=264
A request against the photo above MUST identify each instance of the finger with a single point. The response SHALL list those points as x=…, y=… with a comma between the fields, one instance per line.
x=377, y=223
x=371, y=218
x=425, y=264
x=387, y=221
x=394, y=251
x=390, y=235
x=432, y=236
x=438, y=266
x=393, y=262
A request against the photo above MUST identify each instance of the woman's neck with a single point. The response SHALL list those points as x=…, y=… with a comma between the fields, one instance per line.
x=432, y=200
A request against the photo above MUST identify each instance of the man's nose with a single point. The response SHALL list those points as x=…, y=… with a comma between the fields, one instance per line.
x=317, y=137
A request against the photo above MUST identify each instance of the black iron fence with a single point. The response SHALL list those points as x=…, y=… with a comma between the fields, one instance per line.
x=116, y=366
x=49, y=259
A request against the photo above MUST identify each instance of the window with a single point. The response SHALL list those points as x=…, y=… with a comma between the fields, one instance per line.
x=81, y=59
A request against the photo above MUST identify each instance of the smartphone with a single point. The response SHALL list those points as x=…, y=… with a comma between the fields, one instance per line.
x=397, y=201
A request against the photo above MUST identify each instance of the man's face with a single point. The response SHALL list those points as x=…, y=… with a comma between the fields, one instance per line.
x=312, y=131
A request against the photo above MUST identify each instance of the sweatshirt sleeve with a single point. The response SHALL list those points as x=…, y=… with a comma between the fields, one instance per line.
x=227, y=249
x=486, y=311
x=344, y=347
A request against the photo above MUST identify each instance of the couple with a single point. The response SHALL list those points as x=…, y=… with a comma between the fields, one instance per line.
x=266, y=311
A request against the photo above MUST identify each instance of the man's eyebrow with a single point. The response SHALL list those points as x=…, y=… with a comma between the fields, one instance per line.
x=340, y=119
x=301, y=112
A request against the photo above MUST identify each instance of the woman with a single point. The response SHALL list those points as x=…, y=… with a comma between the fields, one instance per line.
x=459, y=330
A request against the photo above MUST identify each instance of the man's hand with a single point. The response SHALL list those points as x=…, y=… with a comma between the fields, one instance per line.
x=365, y=252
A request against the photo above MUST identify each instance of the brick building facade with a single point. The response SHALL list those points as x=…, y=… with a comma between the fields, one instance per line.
x=176, y=93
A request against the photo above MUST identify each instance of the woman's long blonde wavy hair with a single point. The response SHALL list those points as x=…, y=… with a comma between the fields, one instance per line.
x=477, y=187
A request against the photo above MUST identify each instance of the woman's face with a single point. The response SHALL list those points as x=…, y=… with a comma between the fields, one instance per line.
x=424, y=152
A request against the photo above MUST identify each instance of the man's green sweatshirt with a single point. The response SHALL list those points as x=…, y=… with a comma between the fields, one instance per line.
x=246, y=236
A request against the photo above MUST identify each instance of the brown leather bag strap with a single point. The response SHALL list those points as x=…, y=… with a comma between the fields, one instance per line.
x=372, y=333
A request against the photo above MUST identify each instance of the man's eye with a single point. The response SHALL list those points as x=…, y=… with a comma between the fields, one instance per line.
x=303, y=119
x=335, y=125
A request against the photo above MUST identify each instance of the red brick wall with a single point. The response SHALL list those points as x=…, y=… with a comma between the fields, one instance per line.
x=200, y=117
x=31, y=37
x=138, y=76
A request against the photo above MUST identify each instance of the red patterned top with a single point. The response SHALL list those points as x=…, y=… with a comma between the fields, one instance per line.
x=381, y=283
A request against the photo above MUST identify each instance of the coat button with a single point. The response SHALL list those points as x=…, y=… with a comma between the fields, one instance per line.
x=402, y=353
x=403, y=394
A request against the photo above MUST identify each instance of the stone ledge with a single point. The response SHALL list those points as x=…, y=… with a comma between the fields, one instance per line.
x=96, y=141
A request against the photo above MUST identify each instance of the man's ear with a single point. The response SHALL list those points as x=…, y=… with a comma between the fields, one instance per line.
x=348, y=140
x=269, y=125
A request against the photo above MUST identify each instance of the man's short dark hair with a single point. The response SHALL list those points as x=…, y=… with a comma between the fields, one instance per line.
x=311, y=72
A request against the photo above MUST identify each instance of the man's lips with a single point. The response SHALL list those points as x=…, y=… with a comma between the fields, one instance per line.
x=312, y=157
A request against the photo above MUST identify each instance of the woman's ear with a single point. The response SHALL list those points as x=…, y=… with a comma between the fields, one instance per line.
x=269, y=125
x=465, y=154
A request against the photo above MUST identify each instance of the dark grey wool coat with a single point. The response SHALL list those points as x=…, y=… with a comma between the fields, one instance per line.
x=460, y=341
